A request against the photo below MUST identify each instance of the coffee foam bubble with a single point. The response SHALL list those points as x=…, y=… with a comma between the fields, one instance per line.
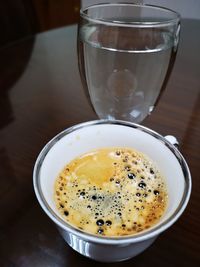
x=111, y=192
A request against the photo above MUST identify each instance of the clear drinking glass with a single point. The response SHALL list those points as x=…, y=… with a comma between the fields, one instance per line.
x=126, y=53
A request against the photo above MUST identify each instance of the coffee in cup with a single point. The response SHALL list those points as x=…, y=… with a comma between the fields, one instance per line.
x=78, y=141
x=111, y=192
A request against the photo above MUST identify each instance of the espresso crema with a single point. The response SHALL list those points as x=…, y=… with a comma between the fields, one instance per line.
x=111, y=192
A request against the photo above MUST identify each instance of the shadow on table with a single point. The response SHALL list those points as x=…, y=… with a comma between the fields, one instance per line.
x=78, y=260
x=13, y=61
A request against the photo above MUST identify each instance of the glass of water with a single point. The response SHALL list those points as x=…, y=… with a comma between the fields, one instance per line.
x=126, y=53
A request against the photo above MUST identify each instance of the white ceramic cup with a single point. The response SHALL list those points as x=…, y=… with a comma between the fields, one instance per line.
x=87, y=136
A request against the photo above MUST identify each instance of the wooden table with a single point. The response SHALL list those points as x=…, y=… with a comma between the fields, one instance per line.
x=40, y=95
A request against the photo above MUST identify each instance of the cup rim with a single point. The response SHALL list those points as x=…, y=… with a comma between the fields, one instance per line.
x=147, y=234
x=165, y=23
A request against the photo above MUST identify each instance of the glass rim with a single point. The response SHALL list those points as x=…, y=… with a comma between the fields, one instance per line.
x=140, y=24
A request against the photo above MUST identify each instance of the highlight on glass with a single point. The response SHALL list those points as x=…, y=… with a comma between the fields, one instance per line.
x=126, y=54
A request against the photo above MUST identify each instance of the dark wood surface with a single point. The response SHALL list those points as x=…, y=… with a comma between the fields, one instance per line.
x=40, y=95
x=52, y=14
x=22, y=18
